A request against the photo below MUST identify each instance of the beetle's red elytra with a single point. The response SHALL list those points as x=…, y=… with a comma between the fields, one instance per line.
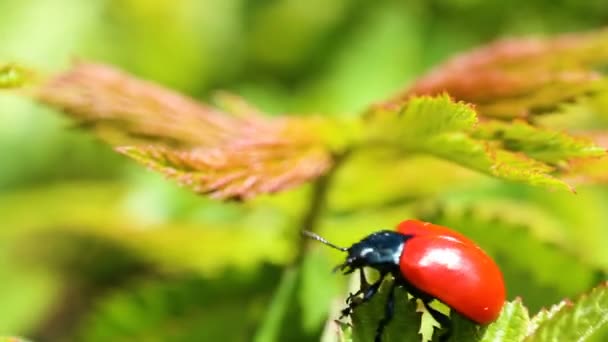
x=430, y=262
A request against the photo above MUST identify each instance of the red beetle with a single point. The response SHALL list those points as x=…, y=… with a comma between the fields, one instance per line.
x=430, y=262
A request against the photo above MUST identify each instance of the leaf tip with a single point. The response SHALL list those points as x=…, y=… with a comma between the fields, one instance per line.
x=14, y=76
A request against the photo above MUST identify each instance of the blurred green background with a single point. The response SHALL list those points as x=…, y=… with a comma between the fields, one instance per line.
x=95, y=248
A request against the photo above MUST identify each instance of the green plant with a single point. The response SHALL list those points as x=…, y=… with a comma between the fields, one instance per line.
x=500, y=136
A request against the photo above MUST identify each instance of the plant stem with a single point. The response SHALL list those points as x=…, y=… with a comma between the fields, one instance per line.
x=317, y=204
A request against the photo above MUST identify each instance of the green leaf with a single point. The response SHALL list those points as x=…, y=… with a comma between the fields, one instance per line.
x=418, y=119
x=482, y=156
x=512, y=324
x=576, y=321
x=539, y=143
x=441, y=127
x=186, y=308
x=404, y=326
x=464, y=329
x=390, y=180
x=544, y=315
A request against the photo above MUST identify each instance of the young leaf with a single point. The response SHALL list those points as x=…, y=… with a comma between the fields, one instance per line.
x=577, y=321
x=419, y=118
x=544, y=315
x=587, y=171
x=512, y=324
x=229, y=156
x=440, y=127
x=236, y=171
x=539, y=143
x=521, y=77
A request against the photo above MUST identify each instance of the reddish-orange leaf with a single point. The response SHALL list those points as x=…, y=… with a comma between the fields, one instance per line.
x=520, y=77
x=228, y=156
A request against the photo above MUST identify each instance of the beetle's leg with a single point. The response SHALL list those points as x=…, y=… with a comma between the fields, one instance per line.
x=363, y=280
x=389, y=310
x=364, y=285
x=367, y=295
x=446, y=323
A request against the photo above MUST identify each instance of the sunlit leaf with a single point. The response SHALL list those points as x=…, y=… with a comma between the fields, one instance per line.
x=441, y=127
x=587, y=171
x=520, y=77
x=544, y=315
x=236, y=171
x=390, y=180
x=512, y=324
x=542, y=144
x=419, y=118
x=229, y=156
x=576, y=321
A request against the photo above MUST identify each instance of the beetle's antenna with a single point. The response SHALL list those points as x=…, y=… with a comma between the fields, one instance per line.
x=314, y=236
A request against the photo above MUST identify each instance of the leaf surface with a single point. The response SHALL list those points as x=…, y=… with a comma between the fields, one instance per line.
x=576, y=321
x=227, y=155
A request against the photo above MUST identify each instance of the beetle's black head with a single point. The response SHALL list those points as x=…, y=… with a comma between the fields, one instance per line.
x=380, y=250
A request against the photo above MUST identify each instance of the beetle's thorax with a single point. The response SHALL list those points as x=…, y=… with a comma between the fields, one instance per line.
x=381, y=250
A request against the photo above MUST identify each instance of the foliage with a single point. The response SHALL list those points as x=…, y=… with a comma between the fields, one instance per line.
x=557, y=70
x=234, y=157
x=566, y=321
x=483, y=143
